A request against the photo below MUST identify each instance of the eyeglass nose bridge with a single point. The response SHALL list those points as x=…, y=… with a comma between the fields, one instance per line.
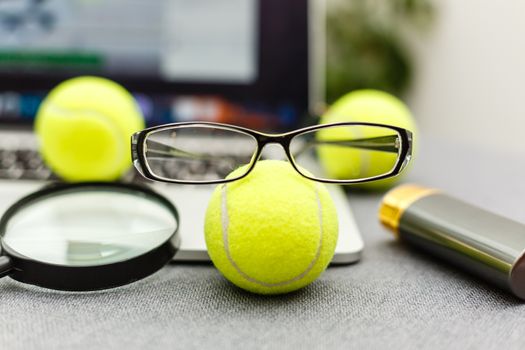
x=282, y=140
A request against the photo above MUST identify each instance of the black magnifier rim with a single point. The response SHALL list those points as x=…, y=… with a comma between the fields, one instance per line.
x=87, y=278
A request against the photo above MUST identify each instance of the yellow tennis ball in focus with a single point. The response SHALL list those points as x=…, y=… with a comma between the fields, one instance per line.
x=84, y=127
x=371, y=106
x=273, y=231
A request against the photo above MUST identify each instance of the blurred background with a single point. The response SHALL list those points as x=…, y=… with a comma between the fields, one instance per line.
x=469, y=73
x=458, y=64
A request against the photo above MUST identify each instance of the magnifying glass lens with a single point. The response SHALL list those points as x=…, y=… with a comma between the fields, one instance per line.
x=89, y=228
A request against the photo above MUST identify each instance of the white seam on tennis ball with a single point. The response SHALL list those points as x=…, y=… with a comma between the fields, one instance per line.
x=65, y=111
x=225, y=225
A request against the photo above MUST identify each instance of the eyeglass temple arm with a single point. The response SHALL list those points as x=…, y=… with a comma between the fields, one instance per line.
x=160, y=149
x=382, y=143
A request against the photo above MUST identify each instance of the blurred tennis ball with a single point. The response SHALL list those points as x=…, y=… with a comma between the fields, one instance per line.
x=371, y=106
x=273, y=231
x=84, y=127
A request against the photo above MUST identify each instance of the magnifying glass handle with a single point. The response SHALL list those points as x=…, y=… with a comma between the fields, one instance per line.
x=5, y=266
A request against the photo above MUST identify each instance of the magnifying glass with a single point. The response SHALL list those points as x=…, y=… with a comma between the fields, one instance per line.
x=88, y=236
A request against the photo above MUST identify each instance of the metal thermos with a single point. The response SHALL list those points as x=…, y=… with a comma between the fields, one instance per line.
x=478, y=241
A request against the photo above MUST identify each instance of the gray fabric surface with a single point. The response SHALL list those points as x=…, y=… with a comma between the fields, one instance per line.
x=395, y=297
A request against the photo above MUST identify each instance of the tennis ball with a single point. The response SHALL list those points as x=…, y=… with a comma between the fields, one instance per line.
x=273, y=231
x=371, y=106
x=84, y=127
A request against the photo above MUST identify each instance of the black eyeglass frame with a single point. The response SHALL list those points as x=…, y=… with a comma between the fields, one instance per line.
x=138, y=151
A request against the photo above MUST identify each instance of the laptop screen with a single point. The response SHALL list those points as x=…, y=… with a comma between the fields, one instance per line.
x=235, y=61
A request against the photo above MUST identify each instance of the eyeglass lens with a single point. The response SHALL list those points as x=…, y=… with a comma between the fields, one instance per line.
x=349, y=152
x=198, y=152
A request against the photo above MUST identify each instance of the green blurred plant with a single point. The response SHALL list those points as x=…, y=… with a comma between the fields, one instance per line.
x=366, y=44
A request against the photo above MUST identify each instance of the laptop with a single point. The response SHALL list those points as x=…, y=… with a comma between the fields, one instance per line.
x=255, y=63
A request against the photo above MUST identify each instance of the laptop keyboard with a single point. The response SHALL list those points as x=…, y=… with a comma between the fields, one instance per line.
x=20, y=160
x=23, y=164
x=26, y=164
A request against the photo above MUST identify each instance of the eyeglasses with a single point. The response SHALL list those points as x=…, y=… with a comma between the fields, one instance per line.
x=206, y=152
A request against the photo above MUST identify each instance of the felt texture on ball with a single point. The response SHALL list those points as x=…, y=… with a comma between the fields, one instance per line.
x=371, y=106
x=84, y=127
x=273, y=231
